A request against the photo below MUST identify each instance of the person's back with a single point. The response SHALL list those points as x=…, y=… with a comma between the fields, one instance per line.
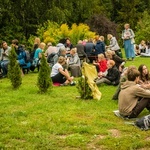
x=113, y=75
x=80, y=50
x=99, y=47
x=89, y=47
x=36, y=54
x=132, y=98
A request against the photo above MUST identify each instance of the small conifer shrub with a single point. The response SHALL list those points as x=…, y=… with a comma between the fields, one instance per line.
x=44, y=80
x=83, y=88
x=14, y=72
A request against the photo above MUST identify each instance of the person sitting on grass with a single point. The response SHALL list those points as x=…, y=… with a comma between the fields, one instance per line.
x=59, y=74
x=132, y=98
x=74, y=64
x=4, y=58
x=119, y=62
x=112, y=77
x=101, y=65
x=38, y=56
x=144, y=77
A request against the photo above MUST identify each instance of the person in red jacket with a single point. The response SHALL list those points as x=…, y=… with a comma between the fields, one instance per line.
x=101, y=65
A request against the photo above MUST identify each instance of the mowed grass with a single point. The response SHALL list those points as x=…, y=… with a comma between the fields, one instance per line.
x=57, y=120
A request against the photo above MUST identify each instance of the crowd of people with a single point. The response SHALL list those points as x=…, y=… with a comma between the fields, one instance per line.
x=66, y=60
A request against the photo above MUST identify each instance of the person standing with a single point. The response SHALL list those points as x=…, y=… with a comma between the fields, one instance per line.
x=113, y=44
x=128, y=38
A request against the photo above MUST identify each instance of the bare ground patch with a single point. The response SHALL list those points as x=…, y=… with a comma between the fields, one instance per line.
x=92, y=144
x=115, y=133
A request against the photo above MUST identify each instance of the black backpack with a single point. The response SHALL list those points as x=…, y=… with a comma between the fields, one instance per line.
x=50, y=58
x=143, y=123
x=27, y=57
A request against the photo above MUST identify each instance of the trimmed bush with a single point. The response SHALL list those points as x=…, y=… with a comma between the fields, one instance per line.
x=14, y=72
x=44, y=80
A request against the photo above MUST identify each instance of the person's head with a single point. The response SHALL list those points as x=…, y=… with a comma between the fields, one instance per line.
x=15, y=43
x=109, y=36
x=133, y=74
x=79, y=42
x=142, y=42
x=101, y=38
x=62, y=51
x=68, y=42
x=144, y=73
x=73, y=51
x=97, y=38
x=42, y=45
x=37, y=41
x=108, y=54
x=101, y=57
x=127, y=26
x=113, y=53
x=110, y=64
x=137, y=47
x=90, y=40
x=61, y=60
x=4, y=45
x=49, y=44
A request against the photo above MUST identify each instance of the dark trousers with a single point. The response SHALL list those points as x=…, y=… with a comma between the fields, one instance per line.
x=143, y=103
x=58, y=78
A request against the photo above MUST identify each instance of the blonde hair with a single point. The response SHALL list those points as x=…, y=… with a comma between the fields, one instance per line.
x=111, y=62
x=109, y=36
x=127, y=24
x=42, y=45
x=108, y=54
x=101, y=38
x=61, y=59
x=37, y=41
x=74, y=50
x=101, y=56
x=79, y=42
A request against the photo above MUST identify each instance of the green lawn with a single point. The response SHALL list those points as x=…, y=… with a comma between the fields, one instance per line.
x=57, y=120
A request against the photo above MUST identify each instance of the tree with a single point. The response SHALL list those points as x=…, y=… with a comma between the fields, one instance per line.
x=102, y=25
x=44, y=80
x=143, y=28
x=53, y=32
x=14, y=72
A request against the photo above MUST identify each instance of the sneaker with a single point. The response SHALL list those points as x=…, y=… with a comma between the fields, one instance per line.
x=73, y=83
x=64, y=84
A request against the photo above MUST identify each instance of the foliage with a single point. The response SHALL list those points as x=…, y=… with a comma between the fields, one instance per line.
x=52, y=32
x=14, y=72
x=26, y=15
x=83, y=88
x=143, y=28
x=44, y=80
x=102, y=25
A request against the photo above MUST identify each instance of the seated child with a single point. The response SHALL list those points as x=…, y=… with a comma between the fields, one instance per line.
x=101, y=65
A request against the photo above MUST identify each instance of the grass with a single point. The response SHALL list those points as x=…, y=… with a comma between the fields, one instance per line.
x=57, y=120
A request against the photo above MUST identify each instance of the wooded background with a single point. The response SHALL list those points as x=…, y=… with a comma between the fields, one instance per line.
x=21, y=18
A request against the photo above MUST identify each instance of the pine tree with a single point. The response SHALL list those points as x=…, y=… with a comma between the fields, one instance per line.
x=44, y=80
x=83, y=88
x=14, y=72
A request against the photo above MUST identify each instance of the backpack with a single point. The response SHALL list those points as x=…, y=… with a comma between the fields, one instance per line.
x=143, y=123
x=27, y=56
x=50, y=58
